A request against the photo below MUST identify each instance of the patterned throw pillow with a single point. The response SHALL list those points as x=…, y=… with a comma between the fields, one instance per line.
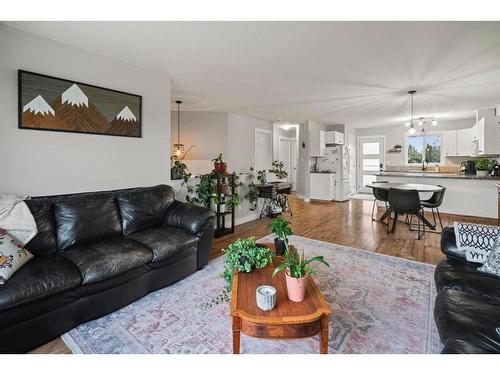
x=475, y=240
x=492, y=264
x=12, y=256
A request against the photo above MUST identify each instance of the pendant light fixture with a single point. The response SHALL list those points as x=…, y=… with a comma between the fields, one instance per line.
x=421, y=120
x=412, y=130
x=178, y=149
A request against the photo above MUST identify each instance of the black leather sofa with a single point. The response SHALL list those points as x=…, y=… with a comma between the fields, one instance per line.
x=95, y=253
x=467, y=308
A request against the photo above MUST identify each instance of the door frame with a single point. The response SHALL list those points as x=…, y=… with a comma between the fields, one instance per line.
x=262, y=131
x=359, y=151
x=293, y=155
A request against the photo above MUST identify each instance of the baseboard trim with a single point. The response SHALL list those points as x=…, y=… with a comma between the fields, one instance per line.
x=246, y=219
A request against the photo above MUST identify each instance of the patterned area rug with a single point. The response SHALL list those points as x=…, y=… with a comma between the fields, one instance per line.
x=381, y=304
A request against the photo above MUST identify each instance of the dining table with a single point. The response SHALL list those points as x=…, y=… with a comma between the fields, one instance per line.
x=421, y=188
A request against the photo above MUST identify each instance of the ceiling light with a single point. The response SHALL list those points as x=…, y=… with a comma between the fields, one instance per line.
x=407, y=123
x=421, y=122
x=178, y=149
x=412, y=130
x=434, y=122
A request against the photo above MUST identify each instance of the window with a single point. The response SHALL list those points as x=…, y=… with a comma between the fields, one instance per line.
x=424, y=146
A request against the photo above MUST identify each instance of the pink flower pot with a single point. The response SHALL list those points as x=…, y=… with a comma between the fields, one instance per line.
x=296, y=288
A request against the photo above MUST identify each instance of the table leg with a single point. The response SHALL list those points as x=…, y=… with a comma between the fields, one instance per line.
x=384, y=216
x=236, y=335
x=323, y=340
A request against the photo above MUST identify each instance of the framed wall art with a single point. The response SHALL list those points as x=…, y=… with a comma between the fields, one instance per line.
x=50, y=103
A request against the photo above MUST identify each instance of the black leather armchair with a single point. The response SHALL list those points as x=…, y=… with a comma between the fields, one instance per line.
x=95, y=253
x=467, y=308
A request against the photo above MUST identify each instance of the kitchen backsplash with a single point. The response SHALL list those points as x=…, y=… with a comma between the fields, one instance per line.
x=408, y=168
x=329, y=162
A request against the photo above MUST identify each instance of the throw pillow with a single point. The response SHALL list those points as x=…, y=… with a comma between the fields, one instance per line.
x=12, y=256
x=492, y=264
x=475, y=240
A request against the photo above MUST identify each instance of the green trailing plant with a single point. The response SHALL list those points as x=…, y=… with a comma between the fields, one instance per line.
x=243, y=255
x=296, y=265
x=180, y=171
x=278, y=169
x=252, y=193
x=483, y=164
x=203, y=191
x=261, y=176
x=281, y=229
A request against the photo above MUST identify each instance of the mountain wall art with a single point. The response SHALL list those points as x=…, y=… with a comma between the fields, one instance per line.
x=50, y=103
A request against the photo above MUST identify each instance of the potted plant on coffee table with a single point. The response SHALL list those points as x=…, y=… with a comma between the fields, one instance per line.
x=244, y=255
x=297, y=269
x=281, y=229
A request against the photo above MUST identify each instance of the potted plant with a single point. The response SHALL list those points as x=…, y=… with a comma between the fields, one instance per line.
x=244, y=255
x=204, y=191
x=281, y=229
x=278, y=169
x=261, y=176
x=252, y=193
x=483, y=166
x=297, y=269
x=219, y=165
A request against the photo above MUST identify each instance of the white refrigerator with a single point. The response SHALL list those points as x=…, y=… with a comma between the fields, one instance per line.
x=342, y=169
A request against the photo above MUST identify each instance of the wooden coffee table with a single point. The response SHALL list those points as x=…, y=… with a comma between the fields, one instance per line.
x=287, y=320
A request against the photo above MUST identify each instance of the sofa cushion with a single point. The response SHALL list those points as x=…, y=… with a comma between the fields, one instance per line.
x=103, y=260
x=86, y=218
x=165, y=242
x=43, y=276
x=45, y=240
x=466, y=277
x=191, y=219
x=462, y=316
x=144, y=208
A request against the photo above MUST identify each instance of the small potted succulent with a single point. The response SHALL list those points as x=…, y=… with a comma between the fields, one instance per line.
x=297, y=269
x=219, y=165
x=281, y=229
x=483, y=166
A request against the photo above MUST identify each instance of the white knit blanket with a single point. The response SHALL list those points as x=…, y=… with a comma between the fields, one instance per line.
x=16, y=218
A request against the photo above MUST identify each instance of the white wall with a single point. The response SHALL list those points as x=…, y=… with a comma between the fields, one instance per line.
x=207, y=130
x=43, y=162
x=396, y=135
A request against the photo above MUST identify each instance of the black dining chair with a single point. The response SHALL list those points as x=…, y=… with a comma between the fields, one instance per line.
x=434, y=202
x=405, y=202
x=381, y=195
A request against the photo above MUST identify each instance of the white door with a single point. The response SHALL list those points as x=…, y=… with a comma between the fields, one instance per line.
x=370, y=158
x=263, y=150
x=288, y=155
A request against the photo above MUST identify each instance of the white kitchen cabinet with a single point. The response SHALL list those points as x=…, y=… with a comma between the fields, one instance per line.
x=486, y=133
x=450, y=143
x=317, y=143
x=334, y=137
x=322, y=186
x=464, y=140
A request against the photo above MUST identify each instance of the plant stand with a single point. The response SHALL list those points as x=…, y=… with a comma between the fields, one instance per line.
x=224, y=179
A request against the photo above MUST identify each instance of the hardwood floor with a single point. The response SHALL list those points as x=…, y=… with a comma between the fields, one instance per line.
x=348, y=223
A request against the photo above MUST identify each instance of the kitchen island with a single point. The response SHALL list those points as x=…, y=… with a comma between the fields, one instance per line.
x=467, y=195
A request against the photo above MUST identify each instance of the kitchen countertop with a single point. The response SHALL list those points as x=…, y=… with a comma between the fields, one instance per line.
x=322, y=172
x=435, y=175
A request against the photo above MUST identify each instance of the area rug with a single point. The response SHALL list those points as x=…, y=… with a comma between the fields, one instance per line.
x=381, y=304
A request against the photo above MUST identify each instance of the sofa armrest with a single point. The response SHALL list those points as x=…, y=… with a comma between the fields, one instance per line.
x=449, y=245
x=191, y=219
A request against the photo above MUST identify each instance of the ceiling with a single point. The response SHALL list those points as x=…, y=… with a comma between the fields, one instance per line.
x=355, y=73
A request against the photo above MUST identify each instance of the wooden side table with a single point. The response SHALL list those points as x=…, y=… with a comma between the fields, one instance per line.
x=287, y=320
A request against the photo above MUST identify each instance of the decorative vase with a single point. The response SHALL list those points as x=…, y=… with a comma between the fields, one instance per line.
x=296, y=287
x=220, y=167
x=279, y=246
x=482, y=173
x=265, y=296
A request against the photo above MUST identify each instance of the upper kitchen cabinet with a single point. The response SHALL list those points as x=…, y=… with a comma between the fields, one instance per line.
x=450, y=143
x=457, y=142
x=334, y=138
x=317, y=143
x=486, y=136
